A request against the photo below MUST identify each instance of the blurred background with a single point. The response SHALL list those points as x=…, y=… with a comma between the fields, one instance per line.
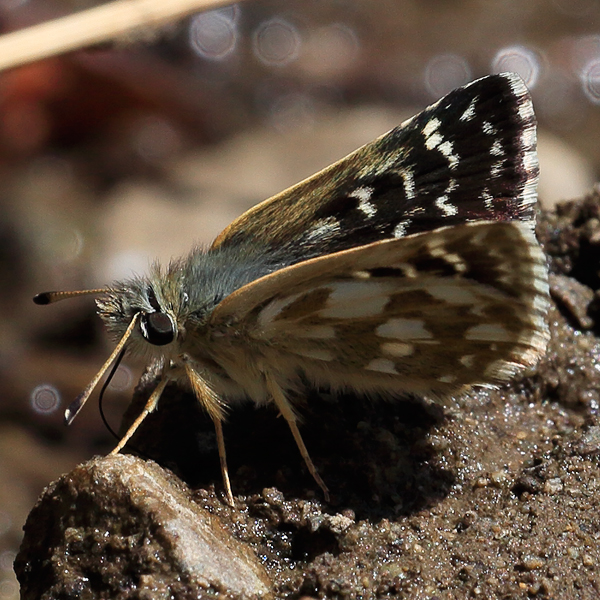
x=113, y=157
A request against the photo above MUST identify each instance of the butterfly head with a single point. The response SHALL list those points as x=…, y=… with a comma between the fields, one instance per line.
x=157, y=307
x=144, y=315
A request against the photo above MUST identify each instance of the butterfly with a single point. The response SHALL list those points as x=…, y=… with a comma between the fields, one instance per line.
x=410, y=266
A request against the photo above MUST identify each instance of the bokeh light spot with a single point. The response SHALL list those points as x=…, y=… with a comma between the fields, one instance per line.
x=276, y=42
x=445, y=72
x=590, y=80
x=63, y=245
x=122, y=379
x=9, y=589
x=213, y=35
x=518, y=59
x=7, y=558
x=45, y=399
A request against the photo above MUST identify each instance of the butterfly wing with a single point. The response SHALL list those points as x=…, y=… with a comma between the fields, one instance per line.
x=427, y=314
x=470, y=156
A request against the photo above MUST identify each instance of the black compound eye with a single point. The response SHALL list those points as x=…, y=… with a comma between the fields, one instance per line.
x=157, y=328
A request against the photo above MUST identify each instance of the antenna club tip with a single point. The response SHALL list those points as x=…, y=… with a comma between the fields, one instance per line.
x=43, y=298
x=75, y=406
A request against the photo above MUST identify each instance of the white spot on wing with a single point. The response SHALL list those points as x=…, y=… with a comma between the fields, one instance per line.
x=367, y=208
x=355, y=299
x=407, y=269
x=496, y=149
x=470, y=112
x=497, y=168
x=540, y=304
x=447, y=149
x=520, y=91
x=528, y=137
x=404, y=329
x=431, y=126
x=488, y=332
x=516, y=84
x=488, y=200
x=488, y=128
x=452, y=292
x=433, y=141
x=361, y=275
x=409, y=183
x=272, y=310
x=397, y=349
x=530, y=164
x=324, y=229
x=400, y=229
x=269, y=313
x=383, y=365
x=364, y=194
x=438, y=251
x=526, y=110
x=541, y=283
x=447, y=208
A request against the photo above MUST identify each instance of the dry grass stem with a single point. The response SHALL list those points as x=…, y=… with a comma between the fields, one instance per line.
x=92, y=26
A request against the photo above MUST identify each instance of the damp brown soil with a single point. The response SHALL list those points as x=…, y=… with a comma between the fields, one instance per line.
x=498, y=497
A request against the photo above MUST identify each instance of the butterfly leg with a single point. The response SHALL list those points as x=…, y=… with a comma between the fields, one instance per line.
x=223, y=460
x=212, y=404
x=285, y=408
x=150, y=407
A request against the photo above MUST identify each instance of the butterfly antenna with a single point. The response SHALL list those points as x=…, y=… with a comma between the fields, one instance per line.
x=78, y=403
x=52, y=297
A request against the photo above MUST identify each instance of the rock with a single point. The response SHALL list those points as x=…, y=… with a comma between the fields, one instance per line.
x=574, y=298
x=120, y=527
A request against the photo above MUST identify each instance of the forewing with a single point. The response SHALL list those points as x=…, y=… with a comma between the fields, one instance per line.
x=427, y=314
x=471, y=156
